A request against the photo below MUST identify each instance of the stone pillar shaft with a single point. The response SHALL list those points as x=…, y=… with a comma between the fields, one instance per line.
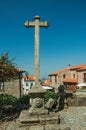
x=36, y=60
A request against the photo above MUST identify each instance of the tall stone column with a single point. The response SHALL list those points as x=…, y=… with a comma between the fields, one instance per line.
x=37, y=92
x=37, y=52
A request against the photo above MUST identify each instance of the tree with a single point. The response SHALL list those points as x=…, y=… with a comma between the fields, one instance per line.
x=8, y=69
x=26, y=74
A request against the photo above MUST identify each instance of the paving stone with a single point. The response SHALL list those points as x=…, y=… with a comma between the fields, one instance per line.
x=37, y=128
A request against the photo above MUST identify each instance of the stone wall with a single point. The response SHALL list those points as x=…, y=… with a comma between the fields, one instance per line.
x=53, y=81
x=77, y=100
x=81, y=76
x=61, y=79
x=12, y=88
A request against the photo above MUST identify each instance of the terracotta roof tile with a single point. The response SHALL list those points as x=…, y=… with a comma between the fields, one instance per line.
x=82, y=68
x=77, y=67
x=31, y=78
x=72, y=80
x=46, y=83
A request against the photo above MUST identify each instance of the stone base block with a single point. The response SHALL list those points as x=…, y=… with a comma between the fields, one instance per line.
x=57, y=127
x=38, y=111
x=31, y=119
x=15, y=126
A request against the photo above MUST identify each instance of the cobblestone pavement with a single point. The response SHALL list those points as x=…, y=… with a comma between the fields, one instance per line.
x=75, y=117
x=4, y=124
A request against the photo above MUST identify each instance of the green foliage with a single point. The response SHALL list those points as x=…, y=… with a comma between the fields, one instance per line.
x=24, y=100
x=50, y=94
x=8, y=69
x=6, y=99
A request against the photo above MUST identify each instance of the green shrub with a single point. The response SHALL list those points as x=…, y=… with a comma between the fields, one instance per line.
x=24, y=100
x=6, y=99
x=50, y=94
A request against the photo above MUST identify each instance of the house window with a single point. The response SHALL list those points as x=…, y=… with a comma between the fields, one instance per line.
x=31, y=84
x=26, y=84
x=64, y=76
x=74, y=75
x=84, y=77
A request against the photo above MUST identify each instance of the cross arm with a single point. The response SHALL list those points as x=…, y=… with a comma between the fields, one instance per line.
x=44, y=24
x=29, y=24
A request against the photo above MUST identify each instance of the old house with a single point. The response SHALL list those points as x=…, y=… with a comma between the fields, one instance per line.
x=27, y=83
x=70, y=76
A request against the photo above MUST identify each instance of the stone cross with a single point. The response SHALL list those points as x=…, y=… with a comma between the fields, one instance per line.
x=36, y=24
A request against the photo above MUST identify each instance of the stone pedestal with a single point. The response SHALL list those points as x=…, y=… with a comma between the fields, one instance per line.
x=37, y=101
x=37, y=106
x=37, y=117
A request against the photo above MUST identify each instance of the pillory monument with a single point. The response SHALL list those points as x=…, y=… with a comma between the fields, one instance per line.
x=37, y=92
x=37, y=117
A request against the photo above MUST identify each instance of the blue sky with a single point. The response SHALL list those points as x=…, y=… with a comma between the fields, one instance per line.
x=62, y=43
